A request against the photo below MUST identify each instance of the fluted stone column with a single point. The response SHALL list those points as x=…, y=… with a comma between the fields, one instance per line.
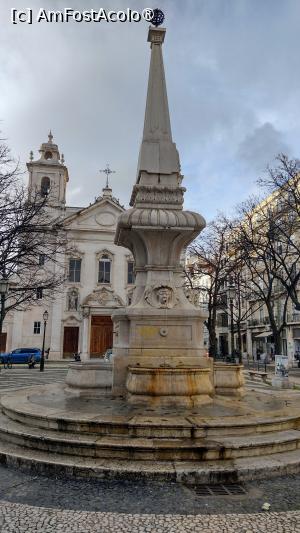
x=85, y=355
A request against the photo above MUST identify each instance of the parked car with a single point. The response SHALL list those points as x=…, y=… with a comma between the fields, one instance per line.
x=21, y=355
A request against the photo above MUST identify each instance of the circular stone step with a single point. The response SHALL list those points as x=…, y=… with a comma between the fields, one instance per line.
x=50, y=422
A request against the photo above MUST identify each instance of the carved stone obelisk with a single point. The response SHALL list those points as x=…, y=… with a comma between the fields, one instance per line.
x=158, y=345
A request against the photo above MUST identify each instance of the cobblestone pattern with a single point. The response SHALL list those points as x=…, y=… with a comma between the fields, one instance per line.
x=282, y=493
x=16, y=518
x=20, y=377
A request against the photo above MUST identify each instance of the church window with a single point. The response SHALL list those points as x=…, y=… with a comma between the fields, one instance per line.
x=48, y=155
x=45, y=186
x=74, y=270
x=39, y=293
x=104, y=269
x=36, y=328
x=42, y=259
x=130, y=273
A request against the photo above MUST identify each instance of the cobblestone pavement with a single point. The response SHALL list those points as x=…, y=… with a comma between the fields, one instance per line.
x=133, y=497
x=30, y=503
x=19, y=377
x=26, y=519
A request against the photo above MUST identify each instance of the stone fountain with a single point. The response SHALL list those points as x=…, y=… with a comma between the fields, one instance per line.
x=171, y=413
x=158, y=344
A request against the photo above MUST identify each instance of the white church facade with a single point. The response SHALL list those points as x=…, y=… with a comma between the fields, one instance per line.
x=99, y=274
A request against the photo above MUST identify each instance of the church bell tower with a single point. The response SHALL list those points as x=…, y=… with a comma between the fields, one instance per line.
x=48, y=174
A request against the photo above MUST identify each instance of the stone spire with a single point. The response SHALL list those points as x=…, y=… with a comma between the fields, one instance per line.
x=157, y=124
x=158, y=154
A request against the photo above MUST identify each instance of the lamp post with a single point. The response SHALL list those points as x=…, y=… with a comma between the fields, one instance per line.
x=4, y=286
x=231, y=296
x=42, y=361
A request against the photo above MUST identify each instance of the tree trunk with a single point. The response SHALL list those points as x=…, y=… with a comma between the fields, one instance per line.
x=239, y=339
x=212, y=350
x=2, y=312
x=277, y=342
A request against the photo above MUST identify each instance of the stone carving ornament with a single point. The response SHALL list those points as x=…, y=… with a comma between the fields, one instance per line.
x=161, y=295
x=73, y=300
x=85, y=312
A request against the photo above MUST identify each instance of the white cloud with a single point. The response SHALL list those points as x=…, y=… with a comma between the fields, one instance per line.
x=231, y=67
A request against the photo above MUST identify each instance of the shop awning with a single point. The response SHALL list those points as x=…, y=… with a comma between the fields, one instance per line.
x=264, y=334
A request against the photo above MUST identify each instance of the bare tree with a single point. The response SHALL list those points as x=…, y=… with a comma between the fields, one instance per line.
x=32, y=243
x=282, y=219
x=256, y=242
x=210, y=261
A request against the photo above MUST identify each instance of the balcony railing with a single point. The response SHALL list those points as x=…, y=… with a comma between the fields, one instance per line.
x=258, y=321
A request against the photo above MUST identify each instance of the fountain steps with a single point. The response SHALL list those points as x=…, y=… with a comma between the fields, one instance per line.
x=147, y=449
x=188, y=472
x=148, y=427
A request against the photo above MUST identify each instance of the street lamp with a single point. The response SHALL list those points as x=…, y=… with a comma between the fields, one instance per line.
x=231, y=296
x=4, y=286
x=42, y=361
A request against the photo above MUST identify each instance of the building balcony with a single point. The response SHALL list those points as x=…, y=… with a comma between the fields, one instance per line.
x=252, y=322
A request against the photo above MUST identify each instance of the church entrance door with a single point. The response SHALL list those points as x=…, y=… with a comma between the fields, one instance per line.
x=70, y=346
x=101, y=335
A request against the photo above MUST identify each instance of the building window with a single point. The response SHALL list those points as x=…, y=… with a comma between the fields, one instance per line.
x=74, y=270
x=45, y=186
x=39, y=293
x=130, y=273
x=261, y=314
x=42, y=259
x=36, y=328
x=104, y=269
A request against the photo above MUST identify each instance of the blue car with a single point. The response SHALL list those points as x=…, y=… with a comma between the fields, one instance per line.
x=22, y=355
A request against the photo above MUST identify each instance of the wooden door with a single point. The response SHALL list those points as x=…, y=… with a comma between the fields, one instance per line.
x=101, y=335
x=70, y=346
x=3, y=342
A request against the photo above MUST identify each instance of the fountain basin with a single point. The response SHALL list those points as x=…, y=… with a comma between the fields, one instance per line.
x=229, y=379
x=186, y=386
x=89, y=378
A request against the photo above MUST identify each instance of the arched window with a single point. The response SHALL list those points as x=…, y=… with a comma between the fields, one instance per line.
x=45, y=186
x=104, y=274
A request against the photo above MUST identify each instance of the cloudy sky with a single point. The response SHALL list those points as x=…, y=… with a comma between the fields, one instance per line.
x=233, y=77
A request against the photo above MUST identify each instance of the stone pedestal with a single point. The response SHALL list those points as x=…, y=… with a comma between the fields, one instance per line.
x=229, y=379
x=90, y=378
x=160, y=356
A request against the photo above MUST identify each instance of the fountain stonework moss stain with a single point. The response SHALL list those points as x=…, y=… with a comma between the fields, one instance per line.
x=158, y=344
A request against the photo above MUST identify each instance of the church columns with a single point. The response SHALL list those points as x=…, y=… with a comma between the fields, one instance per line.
x=85, y=356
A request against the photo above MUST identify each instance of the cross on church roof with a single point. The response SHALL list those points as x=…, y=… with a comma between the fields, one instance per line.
x=107, y=171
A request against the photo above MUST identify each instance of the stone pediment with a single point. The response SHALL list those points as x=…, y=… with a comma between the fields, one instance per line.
x=102, y=215
x=103, y=297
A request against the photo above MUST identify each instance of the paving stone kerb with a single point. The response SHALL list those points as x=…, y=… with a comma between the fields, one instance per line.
x=45, y=429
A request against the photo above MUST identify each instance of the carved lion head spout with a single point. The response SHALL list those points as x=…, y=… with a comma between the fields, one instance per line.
x=161, y=295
